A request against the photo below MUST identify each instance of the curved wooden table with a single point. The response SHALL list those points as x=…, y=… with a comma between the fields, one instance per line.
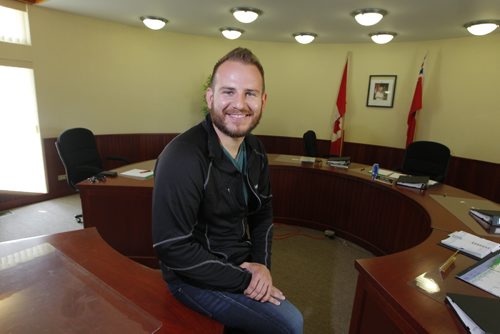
x=142, y=286
x=401, y=226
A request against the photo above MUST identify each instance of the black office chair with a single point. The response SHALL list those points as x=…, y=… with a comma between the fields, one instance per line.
x=77, y=149
x=427, y=158
x=311, y=145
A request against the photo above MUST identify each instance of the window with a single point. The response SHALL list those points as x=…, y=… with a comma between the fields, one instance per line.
x=22, y=166
x=14, y=26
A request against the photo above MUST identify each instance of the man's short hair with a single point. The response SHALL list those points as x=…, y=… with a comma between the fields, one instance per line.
x=241, y=55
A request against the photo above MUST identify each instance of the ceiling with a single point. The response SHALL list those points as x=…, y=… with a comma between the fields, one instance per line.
x=412, y=20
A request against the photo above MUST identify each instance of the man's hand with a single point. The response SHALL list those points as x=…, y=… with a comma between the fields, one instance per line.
x=261, y=286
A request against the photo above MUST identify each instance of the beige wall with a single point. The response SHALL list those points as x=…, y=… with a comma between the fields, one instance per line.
x=115, y=78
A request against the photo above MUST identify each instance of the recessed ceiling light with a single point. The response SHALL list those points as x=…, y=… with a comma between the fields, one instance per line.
x=304, y=37
x=153, y=22
x=231, y=33
x=368, y=16
x=246, y=14
x=481, y=28
x=382, y=37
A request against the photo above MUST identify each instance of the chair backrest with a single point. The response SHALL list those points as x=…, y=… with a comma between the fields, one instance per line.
x=77, y=149
x=427, y=158
x=310, y=144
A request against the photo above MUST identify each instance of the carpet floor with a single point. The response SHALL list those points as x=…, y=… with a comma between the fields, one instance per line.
x=316, y=274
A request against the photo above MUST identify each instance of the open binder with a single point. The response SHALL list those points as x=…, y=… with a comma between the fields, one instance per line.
x=477, y=314
x=488, y=219
x=410, y=181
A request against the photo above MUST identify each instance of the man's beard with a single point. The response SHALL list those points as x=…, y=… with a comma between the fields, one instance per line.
x=218, y=121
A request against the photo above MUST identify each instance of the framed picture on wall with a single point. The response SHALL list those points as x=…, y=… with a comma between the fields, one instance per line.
x=381, y=90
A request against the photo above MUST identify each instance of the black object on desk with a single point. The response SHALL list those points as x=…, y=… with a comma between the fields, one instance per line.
x=419, y=182
x=479, y=311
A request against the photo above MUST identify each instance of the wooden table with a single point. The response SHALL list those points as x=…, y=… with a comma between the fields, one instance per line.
x=402, y=226
x=120, y=208
x=143, y=287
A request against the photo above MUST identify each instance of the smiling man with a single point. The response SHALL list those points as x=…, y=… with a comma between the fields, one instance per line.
x=212, y=213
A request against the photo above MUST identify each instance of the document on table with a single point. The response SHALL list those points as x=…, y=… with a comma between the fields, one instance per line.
x=138, y=174
x=385, y=172
x=470, y=244
x=484, y=275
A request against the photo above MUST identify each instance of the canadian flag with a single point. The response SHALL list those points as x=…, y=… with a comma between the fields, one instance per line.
x=416, y=105
x=338, y=128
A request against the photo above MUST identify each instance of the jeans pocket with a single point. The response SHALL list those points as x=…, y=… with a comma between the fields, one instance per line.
x=184, y=297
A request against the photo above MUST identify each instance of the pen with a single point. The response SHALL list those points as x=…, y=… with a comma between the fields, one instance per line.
x=449, y=262
x=145, y=171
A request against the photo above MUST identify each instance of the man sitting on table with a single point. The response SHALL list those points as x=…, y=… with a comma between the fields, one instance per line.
x=212, y=213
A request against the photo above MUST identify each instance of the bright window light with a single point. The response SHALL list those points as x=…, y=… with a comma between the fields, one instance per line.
x=14, y=27
x=22, y=168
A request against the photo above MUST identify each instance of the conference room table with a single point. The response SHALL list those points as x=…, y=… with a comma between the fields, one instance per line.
x=401, y=226
x=74, y=282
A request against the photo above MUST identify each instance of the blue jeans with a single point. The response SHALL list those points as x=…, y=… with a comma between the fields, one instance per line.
x=237, y=311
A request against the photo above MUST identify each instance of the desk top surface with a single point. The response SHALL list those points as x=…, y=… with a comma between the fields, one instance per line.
x=135, y=286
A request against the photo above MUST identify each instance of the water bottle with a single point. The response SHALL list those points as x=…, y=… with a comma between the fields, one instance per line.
x=374, y=171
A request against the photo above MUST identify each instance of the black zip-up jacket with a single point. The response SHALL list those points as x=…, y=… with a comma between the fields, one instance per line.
x=202, y=227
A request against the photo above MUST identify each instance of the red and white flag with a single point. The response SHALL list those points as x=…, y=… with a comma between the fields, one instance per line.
x=416, y=105
x=338, y=130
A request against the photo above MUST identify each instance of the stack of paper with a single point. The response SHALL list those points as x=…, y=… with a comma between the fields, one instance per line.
x=342, y=162
x=471, y=244
x=138, y=174
x=418, y=182
x=386, y=175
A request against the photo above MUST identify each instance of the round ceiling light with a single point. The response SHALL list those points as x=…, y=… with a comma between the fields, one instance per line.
x=382, y=37
x=481, y=28
x=246, y=14
x=368, y=16
x=304, y=37
x=231, y=33
x=154, y=22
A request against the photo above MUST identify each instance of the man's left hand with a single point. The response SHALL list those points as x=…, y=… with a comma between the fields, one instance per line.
x=261, y=286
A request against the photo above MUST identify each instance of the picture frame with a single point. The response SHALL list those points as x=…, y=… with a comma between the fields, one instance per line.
x=381, y=91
